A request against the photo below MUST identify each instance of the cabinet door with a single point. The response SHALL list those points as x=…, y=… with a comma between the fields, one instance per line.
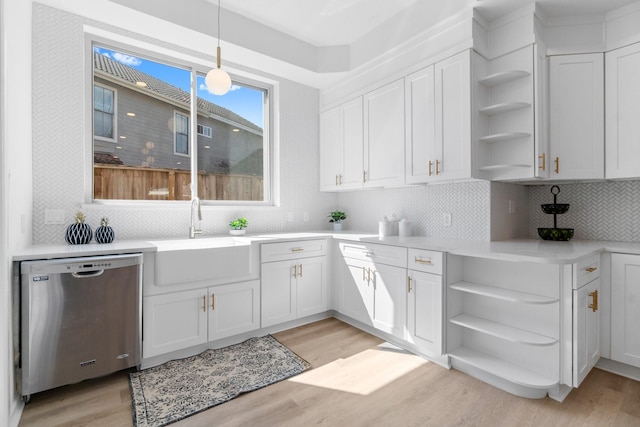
x=234, y=309
x=622, y=106
x=352, y=128
x=174, y=321
x=586, y=330
x=355, y=295
x=625, y=308
x=278, y=292
x=424, y=317
x=311, y=286
x=330, y=149
x=420, y=126
x=453, y=117
x=384, y=135
x=576, y=116
x=390, y=299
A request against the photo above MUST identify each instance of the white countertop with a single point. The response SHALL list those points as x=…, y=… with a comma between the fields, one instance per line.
x=527, y=250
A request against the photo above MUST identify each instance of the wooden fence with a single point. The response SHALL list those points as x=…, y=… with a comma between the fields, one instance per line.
x=133, y=183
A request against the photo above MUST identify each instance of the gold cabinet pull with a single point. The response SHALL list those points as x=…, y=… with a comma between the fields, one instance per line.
x=423, y=261
x=557, y=162
x=437, y=167
x=591, y=269
x=364, y=176
x=408, y=284
x=337, y=181
x=204, y=303
x=295, y=271
x=368, y=275
x=594, y=300
x=297, y=249
x=430, y=168
x=364, y=274
x=543, y=161
x=213, y=301
x=300, y=275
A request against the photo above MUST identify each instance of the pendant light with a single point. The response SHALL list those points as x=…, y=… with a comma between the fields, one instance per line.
x=217, y=80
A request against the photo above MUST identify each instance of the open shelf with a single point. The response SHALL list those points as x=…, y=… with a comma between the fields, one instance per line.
x=504, y=136
x=507, y=333
x=502, y=294
x=503, y=108
x=503, y=77
x=502, y=368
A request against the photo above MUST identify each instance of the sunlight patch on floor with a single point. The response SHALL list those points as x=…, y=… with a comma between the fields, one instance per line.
x=362, y=373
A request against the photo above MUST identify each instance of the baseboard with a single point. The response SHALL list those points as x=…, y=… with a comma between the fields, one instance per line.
x=618, y=368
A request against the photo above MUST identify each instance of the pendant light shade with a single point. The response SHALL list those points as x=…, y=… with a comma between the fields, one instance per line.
x=217, y=80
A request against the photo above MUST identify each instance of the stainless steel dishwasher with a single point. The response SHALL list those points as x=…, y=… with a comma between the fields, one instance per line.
x=80, y=319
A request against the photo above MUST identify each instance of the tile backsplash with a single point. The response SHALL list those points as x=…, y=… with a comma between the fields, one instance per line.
x=598, y=211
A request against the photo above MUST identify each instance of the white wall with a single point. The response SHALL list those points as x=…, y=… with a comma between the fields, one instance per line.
x=60, y=146
x=15, y=198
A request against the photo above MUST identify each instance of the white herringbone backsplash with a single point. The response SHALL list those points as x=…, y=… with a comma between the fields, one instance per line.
x=598, y=211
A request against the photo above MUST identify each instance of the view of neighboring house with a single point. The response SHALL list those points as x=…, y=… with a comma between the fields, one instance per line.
x=142, y=124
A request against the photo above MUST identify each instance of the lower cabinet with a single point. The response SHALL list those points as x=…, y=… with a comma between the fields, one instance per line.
x=586, y=330
x=295, y=286
x=424, y=316
x=179, y=320
x=625, y=318
x=355, y=293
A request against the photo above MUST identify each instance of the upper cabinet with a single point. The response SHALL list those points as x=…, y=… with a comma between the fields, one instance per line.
x=341, y=139
x=505, y=100
x=384, y=136
x=576, y=116
x=438, y=122
x=622, y=106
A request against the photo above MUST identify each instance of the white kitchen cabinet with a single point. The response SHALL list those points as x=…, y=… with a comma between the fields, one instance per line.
x=504, y=323
x=586, y=330
x=295, y=286
x=234, y=309
x=179, y=320
x=425, y=301
x=341, y=146
x=506, y=89
x=438, y=121
x=576, y=116
x=622, y=104
x=625, y=312
x=384, y=136
x=373, y=288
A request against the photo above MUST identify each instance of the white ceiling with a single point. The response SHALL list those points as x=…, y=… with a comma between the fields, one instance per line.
x=340, y=22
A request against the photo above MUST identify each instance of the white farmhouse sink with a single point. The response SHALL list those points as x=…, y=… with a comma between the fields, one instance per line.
x=204, y=259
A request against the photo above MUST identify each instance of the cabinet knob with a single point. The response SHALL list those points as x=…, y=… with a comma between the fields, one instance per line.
x=591, y=269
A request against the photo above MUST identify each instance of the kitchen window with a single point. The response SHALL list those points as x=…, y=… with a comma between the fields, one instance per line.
x=157, y=146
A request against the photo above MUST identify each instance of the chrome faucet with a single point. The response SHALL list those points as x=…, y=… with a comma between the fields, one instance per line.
x=195, y=205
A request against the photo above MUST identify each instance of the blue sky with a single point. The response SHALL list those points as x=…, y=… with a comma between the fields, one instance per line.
x=246, y=102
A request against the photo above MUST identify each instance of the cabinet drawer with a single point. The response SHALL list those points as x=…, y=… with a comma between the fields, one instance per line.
x=424, y=260
x=383, y=254
x=587, y=270
x=293, y=250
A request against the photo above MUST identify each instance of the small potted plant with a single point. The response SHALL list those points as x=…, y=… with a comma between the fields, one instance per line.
x=336, y=218
x=238, y=226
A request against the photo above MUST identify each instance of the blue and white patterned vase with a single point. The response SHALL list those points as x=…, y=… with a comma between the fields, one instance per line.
x=78, y=233
x=104, y=233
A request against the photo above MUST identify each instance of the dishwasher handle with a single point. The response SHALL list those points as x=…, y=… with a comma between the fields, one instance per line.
x=87, y=274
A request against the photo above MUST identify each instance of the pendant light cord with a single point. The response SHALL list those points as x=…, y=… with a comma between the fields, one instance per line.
x=218, y=60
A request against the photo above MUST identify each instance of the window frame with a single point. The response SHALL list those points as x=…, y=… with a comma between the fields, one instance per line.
x=205, y=134
x=190, y=60
x=115, y=113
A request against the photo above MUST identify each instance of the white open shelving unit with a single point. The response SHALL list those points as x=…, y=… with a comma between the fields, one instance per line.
x=504, y=115
x=504, y=323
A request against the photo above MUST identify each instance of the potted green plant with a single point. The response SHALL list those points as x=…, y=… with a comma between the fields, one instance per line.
x=336, y=218
x=238, y=226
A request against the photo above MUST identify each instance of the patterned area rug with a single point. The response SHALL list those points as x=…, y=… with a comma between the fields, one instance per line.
x=180, y=388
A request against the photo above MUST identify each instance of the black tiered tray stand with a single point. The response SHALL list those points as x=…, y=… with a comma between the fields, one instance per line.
x=555, y=209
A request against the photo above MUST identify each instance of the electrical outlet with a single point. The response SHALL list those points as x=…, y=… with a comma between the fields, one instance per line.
x=305, y=216
x=54, y=216
x=290, y=216
x=512, y=207
x=446, y=219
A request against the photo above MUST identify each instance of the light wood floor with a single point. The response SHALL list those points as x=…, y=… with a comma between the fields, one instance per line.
x=357, y=381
